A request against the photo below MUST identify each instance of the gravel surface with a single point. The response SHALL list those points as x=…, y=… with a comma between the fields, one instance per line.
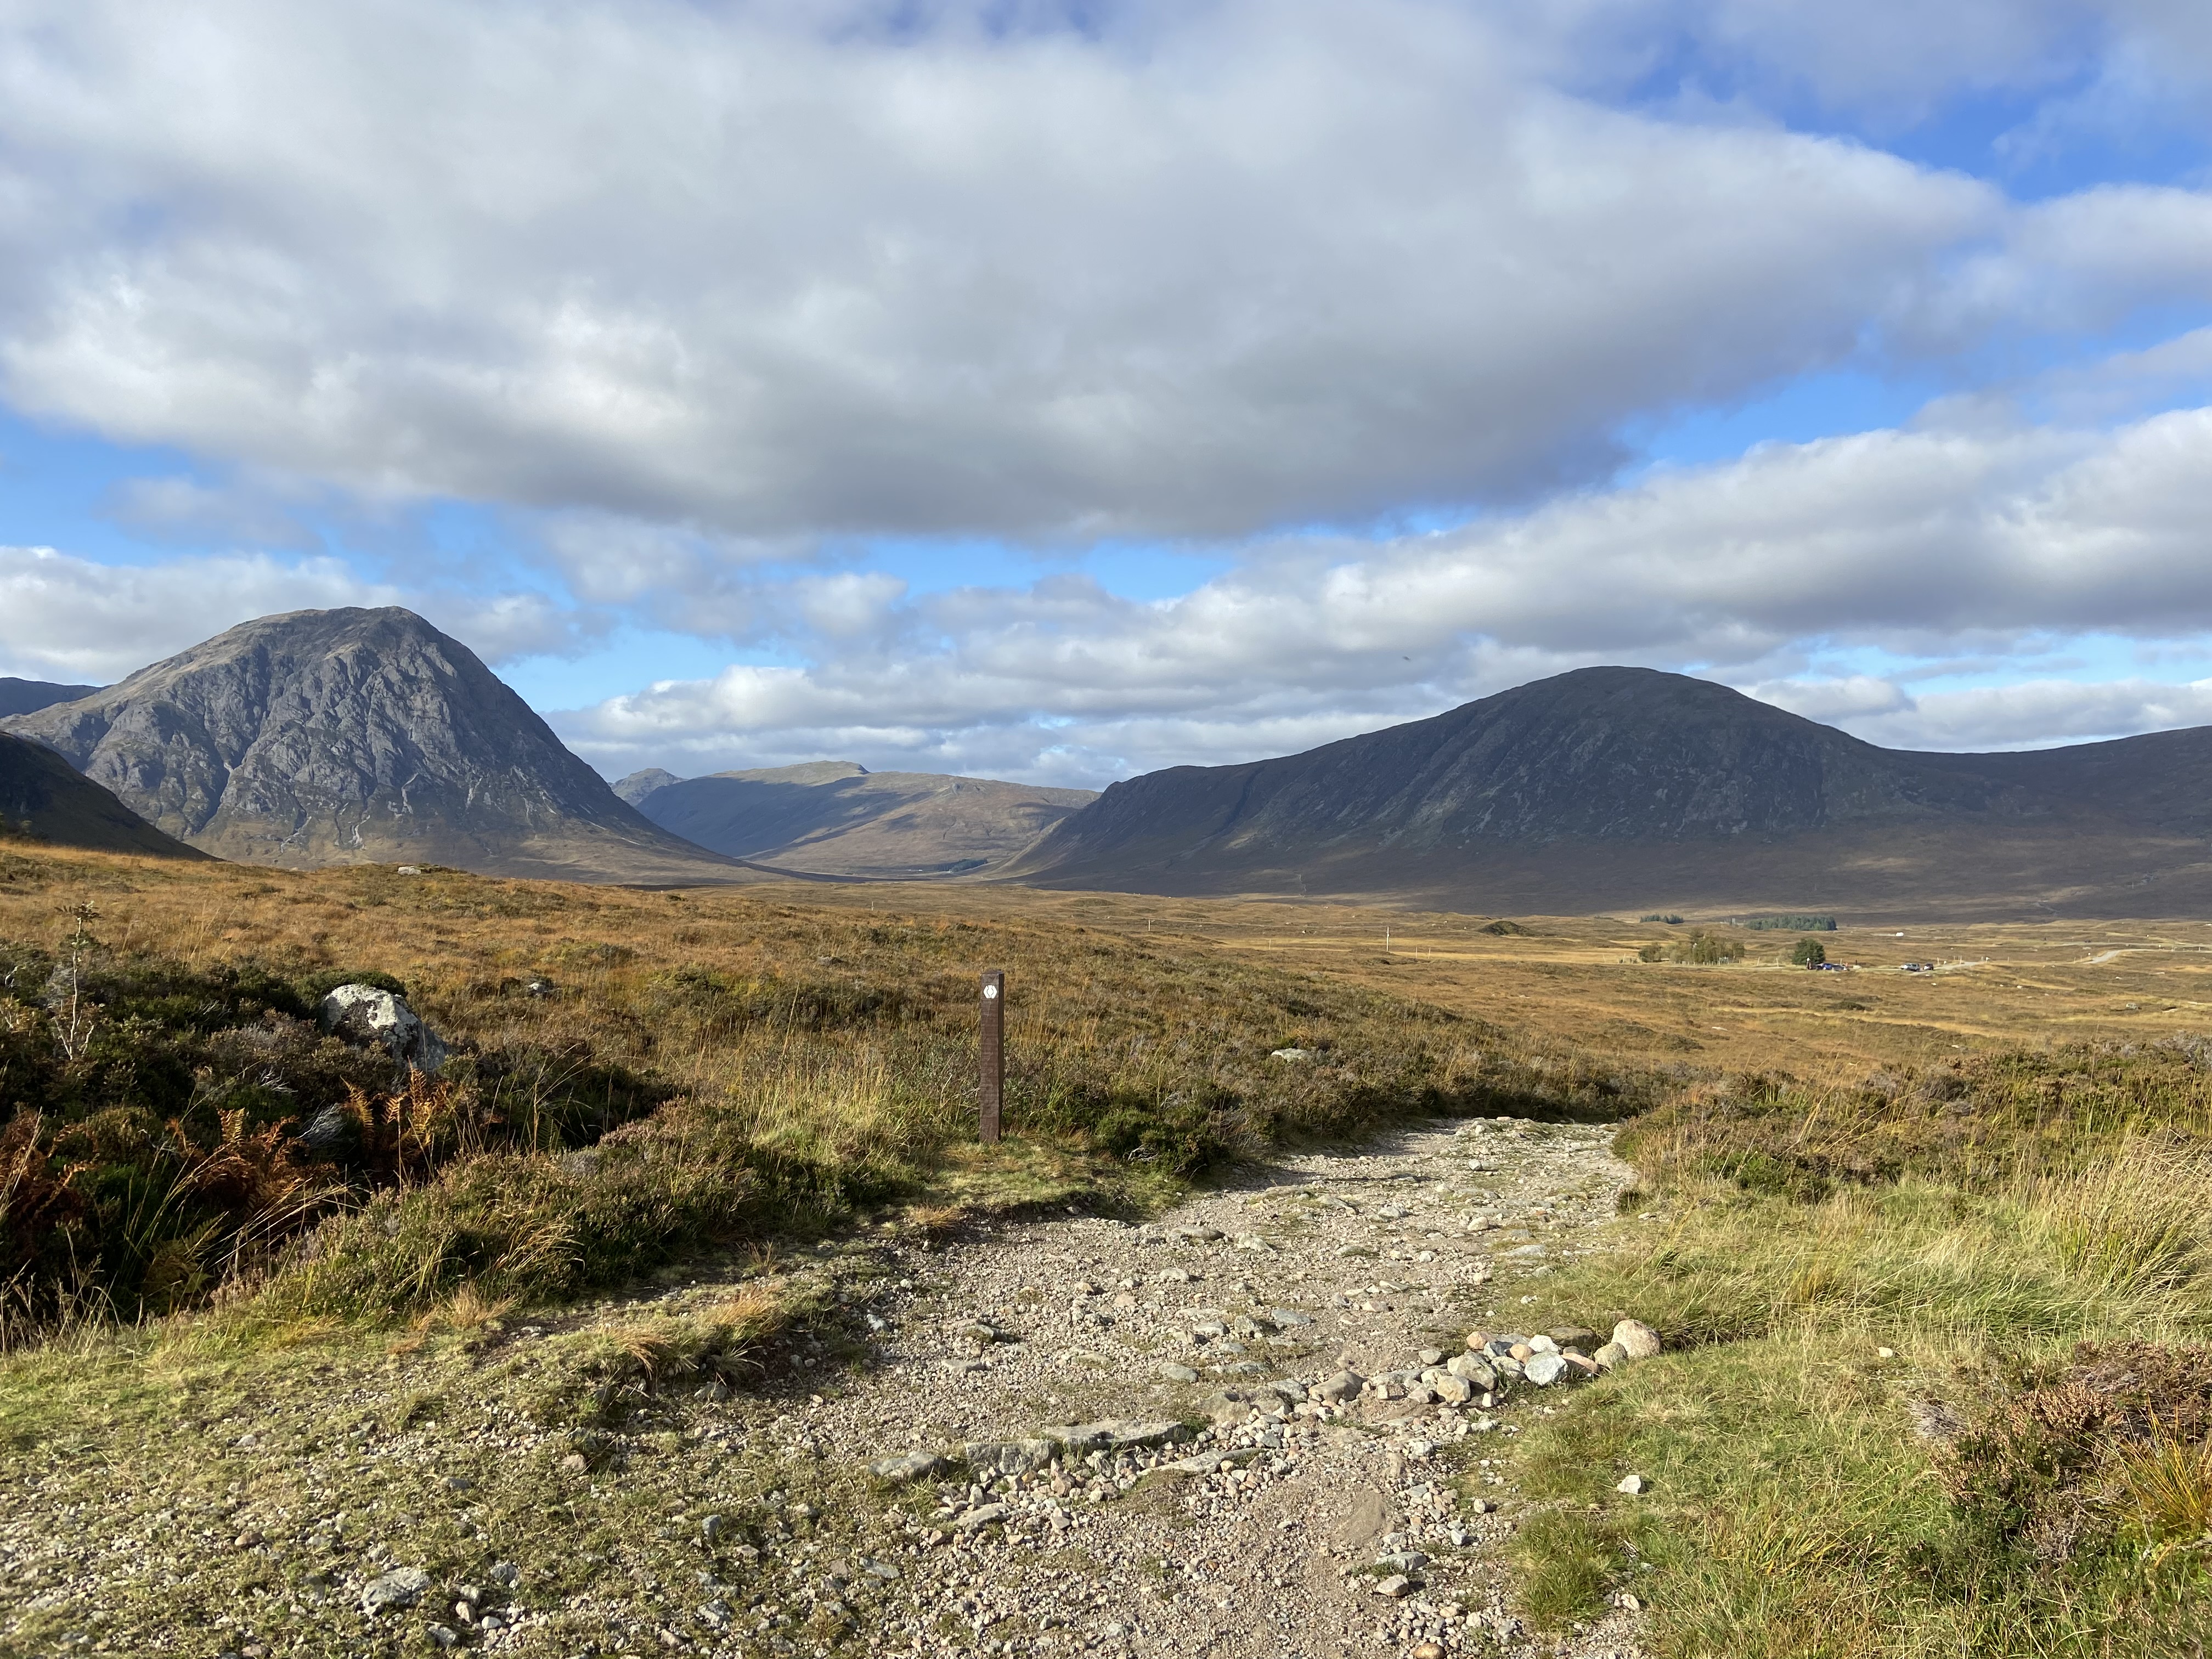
x=1254, y=1427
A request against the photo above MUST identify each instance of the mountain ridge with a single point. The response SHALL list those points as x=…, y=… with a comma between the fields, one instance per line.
x=1616, y=786
x=349, y=736
x=45, y=799
x=29, y=696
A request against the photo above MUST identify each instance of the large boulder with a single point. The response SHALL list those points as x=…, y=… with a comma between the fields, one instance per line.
x=364, y=1015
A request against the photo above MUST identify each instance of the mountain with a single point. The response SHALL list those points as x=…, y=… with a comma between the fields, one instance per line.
x=45, y=799
x=834, y=817
x=29, y=696
x=1620, y=787
x=349, y=736
x=638, y=785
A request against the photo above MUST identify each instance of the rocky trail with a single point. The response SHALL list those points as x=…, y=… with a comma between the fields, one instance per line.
x=1254, y=1427
x=1325, y=1511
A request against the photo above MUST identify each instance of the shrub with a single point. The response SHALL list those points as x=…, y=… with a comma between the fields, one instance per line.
x=1700, y=947
x=1790, y=924
x=1809, y=953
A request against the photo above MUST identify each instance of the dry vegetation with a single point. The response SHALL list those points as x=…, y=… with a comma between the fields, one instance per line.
x=1933, y=1252
x=637, y=1075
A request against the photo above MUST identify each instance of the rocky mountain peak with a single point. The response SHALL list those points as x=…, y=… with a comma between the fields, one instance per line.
x=322, y=736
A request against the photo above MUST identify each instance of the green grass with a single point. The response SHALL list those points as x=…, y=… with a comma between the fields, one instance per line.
x=2023, y=1473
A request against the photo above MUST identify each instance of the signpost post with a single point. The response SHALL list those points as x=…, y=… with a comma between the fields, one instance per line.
x=992, y=1050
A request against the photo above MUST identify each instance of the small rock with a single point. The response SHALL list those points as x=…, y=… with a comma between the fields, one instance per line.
x=985, y=1515
x=1125, y=1434
x=444, y=1636
x=1405, y=1561
x=1631, y=1486
x=506, y=1573
x=1608, y=1357
x=1467, y=1366
x=991, y=1457
x=1175, y=1373
x=1544, y=1369
x=1397, y=1586
x=1345, y=1385
x=402, y=1586
x=1291, y=1054
x=1637, y=1340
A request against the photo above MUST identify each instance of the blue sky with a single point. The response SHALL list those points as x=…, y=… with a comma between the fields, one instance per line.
x=1065, y=397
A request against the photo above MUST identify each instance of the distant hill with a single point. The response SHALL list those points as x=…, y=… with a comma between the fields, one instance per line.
x=347, y=737
x=1615, y=787
x=29, y=696
x=43, y=797
x=835, y=818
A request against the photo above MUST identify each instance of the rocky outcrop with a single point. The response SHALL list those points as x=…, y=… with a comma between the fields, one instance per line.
x=370, y=1018
x=329, y=736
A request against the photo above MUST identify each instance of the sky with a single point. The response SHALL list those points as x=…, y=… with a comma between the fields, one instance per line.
x=1058, y=391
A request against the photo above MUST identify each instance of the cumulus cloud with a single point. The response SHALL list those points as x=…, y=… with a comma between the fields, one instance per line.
x=799, y=271
x=2029, y=713
x=64, y=618
x=70, y=619
x=1924, y=542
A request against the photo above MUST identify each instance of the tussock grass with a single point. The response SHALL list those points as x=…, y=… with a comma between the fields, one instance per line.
x=2022, y=1474
x=636, y=1076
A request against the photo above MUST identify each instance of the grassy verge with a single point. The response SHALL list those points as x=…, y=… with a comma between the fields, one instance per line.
x=1935, y=1379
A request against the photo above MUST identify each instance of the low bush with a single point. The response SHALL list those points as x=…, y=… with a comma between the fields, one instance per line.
x=1700, y=947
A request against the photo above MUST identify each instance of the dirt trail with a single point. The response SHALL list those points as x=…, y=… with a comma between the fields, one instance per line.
x=374, y=1503
x=1315, y=1264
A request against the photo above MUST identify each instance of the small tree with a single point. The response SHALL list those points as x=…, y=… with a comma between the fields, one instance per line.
x=1809, y=953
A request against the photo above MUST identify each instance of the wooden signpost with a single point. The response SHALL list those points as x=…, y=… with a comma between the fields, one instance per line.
x=991, y=1049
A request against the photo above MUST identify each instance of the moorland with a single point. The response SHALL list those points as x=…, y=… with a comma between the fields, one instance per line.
x=1930, y=1258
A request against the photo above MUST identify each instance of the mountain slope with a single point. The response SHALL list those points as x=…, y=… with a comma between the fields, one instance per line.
x=29, y=696
x=1613, y=786
x=43, y=797
x=331, y=737
x=835, y=818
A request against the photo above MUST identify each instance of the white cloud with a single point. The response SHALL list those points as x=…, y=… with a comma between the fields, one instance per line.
x=64, y=618
x=2025, y=715
x=793, y=271
x=1926, y=542
x=70, y=619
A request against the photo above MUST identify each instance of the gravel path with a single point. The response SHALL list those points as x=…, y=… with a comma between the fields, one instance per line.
x=1312, y=1510
x=477, y=1488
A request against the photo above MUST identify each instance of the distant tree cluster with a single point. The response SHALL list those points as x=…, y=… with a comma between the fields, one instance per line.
x=1791, y=924
x=1658, y=915
x=1700, y=947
